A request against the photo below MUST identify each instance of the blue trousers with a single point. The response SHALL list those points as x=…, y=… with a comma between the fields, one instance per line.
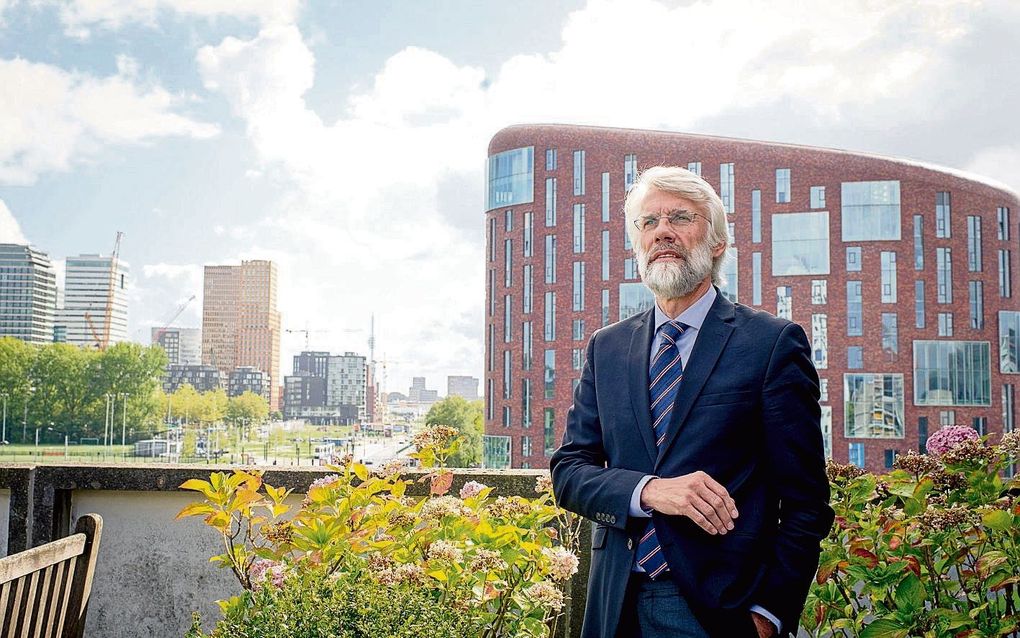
x=656, y=609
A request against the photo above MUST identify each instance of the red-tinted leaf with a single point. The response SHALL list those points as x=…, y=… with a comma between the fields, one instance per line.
x=870, y=557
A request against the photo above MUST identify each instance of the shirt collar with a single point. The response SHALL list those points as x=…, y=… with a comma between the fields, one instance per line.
x=694, y=316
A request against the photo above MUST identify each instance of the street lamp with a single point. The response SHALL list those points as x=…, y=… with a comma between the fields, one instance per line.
x=24, y=421
x=123, y=426
x=3, y=437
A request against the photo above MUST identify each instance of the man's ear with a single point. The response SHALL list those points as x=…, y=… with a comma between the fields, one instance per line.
x=719, y=250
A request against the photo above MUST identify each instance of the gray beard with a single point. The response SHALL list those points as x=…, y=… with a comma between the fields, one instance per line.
x=674, y=280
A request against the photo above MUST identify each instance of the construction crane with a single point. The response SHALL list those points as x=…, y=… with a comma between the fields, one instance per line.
x=114, y=258
x=308, y=332
x=92, y=329
x=180, y=310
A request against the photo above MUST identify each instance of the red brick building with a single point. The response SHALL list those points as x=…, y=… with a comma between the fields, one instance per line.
x=901, y=274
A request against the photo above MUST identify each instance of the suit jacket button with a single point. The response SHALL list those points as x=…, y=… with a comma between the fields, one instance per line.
x=630, y=543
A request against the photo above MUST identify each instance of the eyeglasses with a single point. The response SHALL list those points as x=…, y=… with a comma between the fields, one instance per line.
x=677, y=219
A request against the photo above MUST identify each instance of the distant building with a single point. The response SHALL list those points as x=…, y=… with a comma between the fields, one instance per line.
x=89, y=287
x=248, y=379
x=313, y=363
x=183, y=346
x=202, y=378
x=346, y=383
x=462, y=386
x=28, y=294
x=417, y=393
x=395, y=397
x=241, y=322
x=327, y=388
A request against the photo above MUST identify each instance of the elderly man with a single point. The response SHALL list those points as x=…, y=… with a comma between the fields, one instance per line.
x=694, y=442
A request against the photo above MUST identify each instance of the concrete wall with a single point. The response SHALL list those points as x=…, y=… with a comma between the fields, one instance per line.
x=5, y=518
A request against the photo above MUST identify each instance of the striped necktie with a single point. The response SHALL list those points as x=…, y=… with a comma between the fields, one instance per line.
x=664, y=375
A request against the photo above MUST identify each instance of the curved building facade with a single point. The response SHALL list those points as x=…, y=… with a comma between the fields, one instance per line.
x=903, y=276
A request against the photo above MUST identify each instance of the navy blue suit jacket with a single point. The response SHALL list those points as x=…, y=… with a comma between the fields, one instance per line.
x=747, y=414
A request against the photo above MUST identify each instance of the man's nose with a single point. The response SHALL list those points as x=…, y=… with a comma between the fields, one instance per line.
x=663, y=228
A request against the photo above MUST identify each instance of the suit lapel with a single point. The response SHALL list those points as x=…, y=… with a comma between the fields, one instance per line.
x=712, y=338
x=637, y=374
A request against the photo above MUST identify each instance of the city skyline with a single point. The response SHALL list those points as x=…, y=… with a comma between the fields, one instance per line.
x=348, y=146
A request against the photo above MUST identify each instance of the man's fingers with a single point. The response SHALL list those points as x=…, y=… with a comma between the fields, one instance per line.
x=715, y=488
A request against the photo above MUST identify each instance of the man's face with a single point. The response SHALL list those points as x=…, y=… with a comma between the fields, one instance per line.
x=674, y=261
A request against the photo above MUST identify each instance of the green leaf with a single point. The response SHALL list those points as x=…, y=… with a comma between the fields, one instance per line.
x=912, y=507
x=885, y=628
x=909, y=594
x=998, y=520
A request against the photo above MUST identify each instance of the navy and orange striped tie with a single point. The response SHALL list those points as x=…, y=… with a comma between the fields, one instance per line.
x=664, y=375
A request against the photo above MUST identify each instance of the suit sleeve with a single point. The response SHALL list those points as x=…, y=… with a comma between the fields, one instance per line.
x=796, y=470
x=581, y=481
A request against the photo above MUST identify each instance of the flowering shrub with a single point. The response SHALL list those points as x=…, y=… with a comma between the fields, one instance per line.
x=498, y=566
x=931, y=549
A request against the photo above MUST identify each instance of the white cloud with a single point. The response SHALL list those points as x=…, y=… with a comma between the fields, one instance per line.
x=51, y=118
x=10, y=230
x=1001, y=163
x=80, y=16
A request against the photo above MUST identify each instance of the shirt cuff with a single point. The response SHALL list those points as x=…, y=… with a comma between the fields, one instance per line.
x=772, y=619
x=635, y=499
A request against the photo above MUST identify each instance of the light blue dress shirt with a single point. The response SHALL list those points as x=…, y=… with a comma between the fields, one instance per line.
x=693, y=317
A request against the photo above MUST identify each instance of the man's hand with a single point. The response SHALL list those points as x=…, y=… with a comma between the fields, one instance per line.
x=697, y=496
x=764, y=626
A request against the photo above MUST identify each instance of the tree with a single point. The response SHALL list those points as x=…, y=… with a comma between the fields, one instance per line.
x=248, y=408
x=466, y=417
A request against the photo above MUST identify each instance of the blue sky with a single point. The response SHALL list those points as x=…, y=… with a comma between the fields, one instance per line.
x=346, y=141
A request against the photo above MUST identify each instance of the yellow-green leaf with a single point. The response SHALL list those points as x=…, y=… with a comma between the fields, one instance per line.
x=195, y=509
x=998, y=520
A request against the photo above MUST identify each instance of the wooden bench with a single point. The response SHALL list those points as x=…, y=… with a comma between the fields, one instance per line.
x=44, y=591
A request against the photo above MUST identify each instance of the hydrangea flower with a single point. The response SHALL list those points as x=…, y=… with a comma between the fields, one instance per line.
x=562, y=562
x=948, y=437
x=471, y=489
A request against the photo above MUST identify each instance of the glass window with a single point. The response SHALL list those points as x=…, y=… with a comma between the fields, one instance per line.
x=1002, y=216
x=888, y=277
x=873, y=405
x=947, y=417
x=576, y=358
x=526, y=402
x=507, y=332
x=578, y=228
x=634, y=298
x=922, y=434
x=605, y=255
x=578, y=329
x=856, y=454
x=528, y=235
x=729, y=272
x=508, y=220
x=853, y=258
x=630, y=269
x=605, y=197
x=974, y=261
x=511, y=177
x=694, y=167
x=1009, y=341
x=578, y=172
x=890, y=336
x=783, y=186
x=756, y=279
x=526, y=345
x=870, y=211
x=980, y=425
x=820, y=341
x=550, y=159
x=731, y=231
x=784, y=302
x=919, y=304
x=800, y=244
x=823, y=390
x=755, y=216
x=890, y=457
x=550, y=201
x=855, y=357
x=508, y=262
x=492, y=239
x=550, y=316
x=489, y=401
x=826, y=423
x=549, y=431
x=1008, y=408
x=726, y=186
x=525, y=446
x=550, y=373
x=492, y=348
x=629, y=171
x=918, y=243
x=492, y=292
x=507, y=376
x=943, y=210
x=819, y=292
x=1005, y=274
x=817, y=197
x=945, y=324
x=944, y=274
x=953, y=373
x=854, y=309
x=977, y=304
x=605, y=307
x=528, y=289
x=578, y=296
x=550, y=259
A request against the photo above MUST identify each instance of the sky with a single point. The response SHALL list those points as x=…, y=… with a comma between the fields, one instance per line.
x=346, y=141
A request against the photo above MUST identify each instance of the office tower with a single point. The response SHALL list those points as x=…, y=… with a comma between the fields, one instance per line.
x=28, y=294
x=183, y=346
x=94, y=291
x=462, y=386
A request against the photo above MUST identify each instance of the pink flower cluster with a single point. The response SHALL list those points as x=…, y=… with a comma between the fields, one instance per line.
x=471, y=489
x=264, y=571
x=949, y=437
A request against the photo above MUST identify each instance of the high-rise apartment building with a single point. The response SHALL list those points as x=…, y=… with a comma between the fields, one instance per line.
x=241, y=322
x=28, y=294
x=462, y=386
x=183, y=346
x=346, y=382
x=91, y=287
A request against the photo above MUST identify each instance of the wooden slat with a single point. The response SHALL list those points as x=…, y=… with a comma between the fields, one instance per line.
x=28, y=606
x=45, y=600
x=58, y=585
x=37, y=558
x=64, y=595
x=15, y=607
x=5, y=591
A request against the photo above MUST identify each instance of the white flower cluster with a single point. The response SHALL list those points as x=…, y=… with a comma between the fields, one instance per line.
x=445, y=550
x=562, y=562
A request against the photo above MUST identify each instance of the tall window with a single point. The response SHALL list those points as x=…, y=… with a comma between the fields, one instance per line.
x=507, y=376
x=578, y=330
x=870, y=211
x=952, y=373
x=756, y=279
x=578, y=296
x=1002, y=216
x=977, y=304
x=873, y=406
x=944, y=275
x=550, y=373
x=784, y=302
x=726, y=186
x=755, y=216
x=550, y=316
x=629, y=171
x=820, y=341
x=550, y=201
x=800, y=244
x=550, y=159
x=694, y=167
x=729, y=271
x=922, y=434
x=817, y=197
x=919, y=304
x=890, y=336
x=605, y=197
x=526, y=442
x=605, y=307
x=526, y=345
x=529, y=235
x=605, y=255
x=854, y=309
x=578, y=228
x=855, y=357
x=782, y=185
x=550, y=259
x=630, y=270
x=526, y=406
x=918, y=243
x=974, y=261
x=943, y=211
x=492, y=292
x=853, y=258
x=491, y=349
x=1005, y=274
x=508, y=220
x=945, y=324
x=856, y=454
x=1009, y=341
x=549, y=431
x=528, y=289
x=492, y=239
x=578, y=172
x=888, y=277
x=507, y=319
x=508, y=262
x=819, y=292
